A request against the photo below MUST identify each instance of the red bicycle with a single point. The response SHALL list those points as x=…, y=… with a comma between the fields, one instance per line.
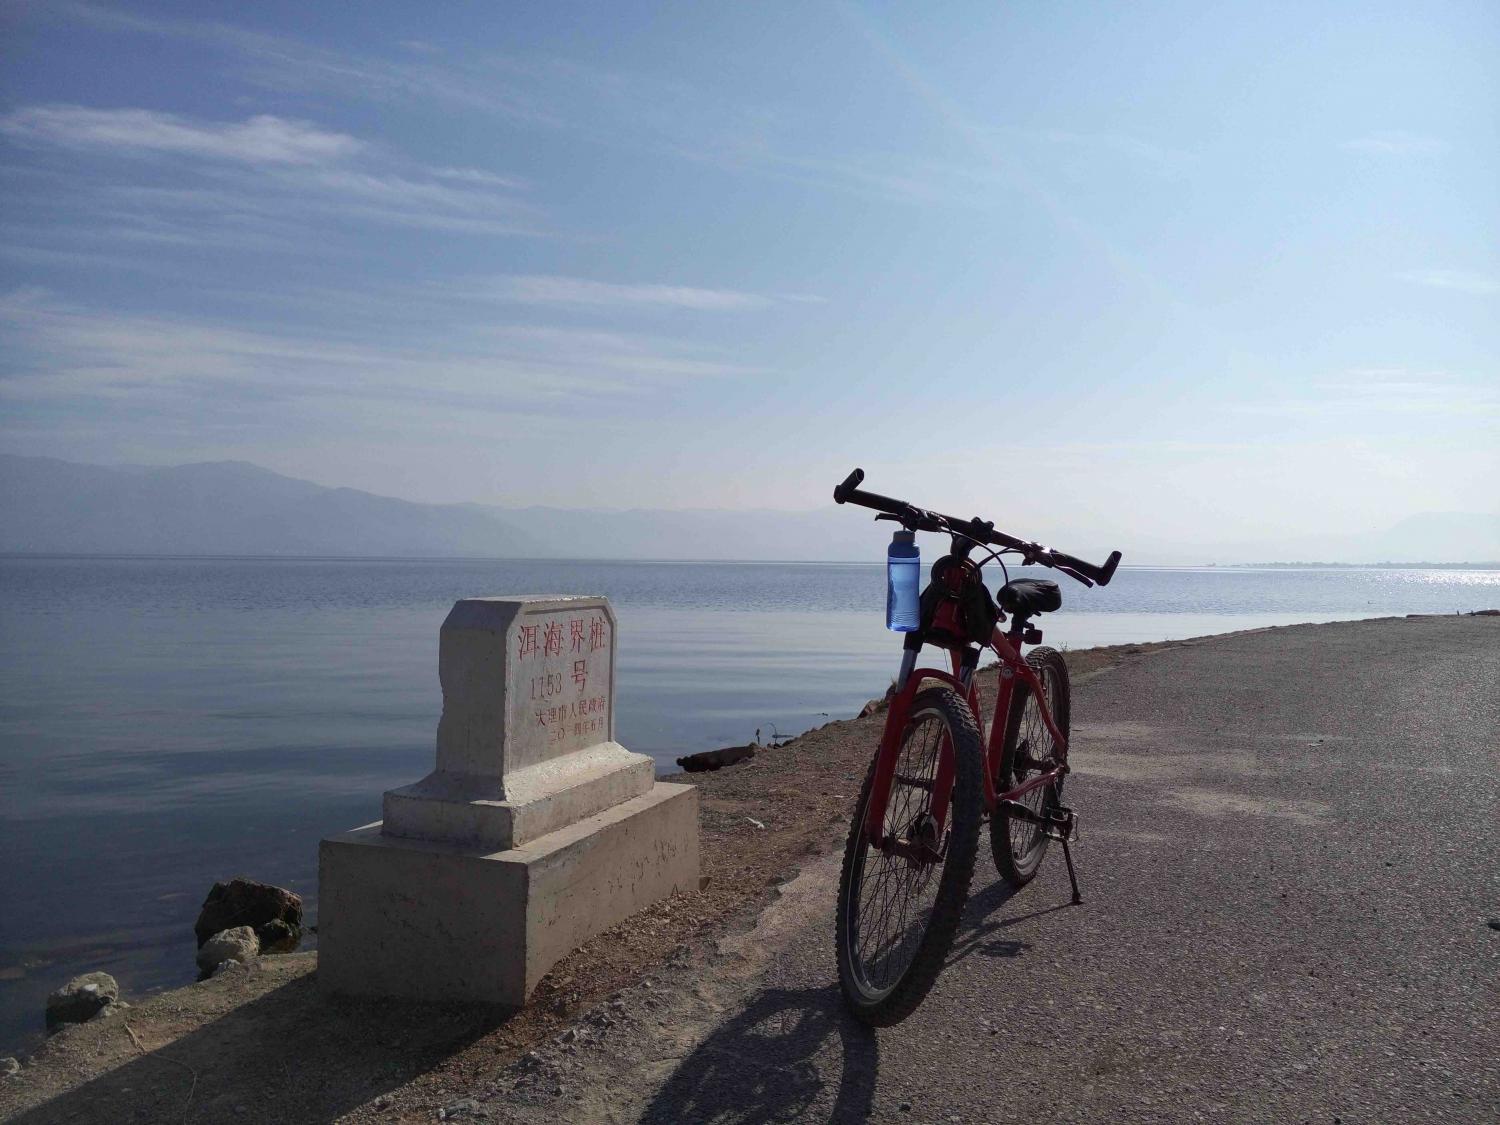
x=935, y=779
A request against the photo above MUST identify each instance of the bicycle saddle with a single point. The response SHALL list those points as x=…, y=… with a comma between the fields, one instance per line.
x=1026, y=596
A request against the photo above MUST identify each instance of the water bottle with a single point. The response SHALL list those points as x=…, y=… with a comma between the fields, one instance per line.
x=903, y=572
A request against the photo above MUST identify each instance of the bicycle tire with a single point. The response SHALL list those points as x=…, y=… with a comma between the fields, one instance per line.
x=1018, y=845
x=881, y=995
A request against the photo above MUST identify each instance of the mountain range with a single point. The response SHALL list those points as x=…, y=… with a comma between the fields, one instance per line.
x=49, y=506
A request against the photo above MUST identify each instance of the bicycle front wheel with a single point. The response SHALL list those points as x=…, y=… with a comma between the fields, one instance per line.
x=900, y=899
x=1029, y=749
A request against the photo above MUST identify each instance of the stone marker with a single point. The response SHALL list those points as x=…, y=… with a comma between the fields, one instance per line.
x=535, y=831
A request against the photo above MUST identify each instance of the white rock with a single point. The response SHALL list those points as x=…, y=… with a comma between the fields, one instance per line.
x=239, y=944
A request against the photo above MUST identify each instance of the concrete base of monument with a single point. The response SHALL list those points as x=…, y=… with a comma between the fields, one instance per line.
x=425, y=920
x=491, y=814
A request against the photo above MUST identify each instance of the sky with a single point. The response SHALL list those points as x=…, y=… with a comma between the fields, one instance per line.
x=1147, y=273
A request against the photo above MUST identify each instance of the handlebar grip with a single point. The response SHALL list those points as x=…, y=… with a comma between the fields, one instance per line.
x=851, y=482
x=1098, y=574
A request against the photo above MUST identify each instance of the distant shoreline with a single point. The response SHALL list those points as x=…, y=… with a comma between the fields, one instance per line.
x=288, y=558
x=1489, y=565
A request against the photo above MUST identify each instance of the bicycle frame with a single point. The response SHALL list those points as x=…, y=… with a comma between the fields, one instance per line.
x=1007, y=646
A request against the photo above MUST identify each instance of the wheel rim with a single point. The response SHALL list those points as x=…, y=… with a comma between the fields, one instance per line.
x=1035, y=752
x=897, y=894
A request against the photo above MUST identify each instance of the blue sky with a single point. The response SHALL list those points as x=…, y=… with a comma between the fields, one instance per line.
x=1167, y=273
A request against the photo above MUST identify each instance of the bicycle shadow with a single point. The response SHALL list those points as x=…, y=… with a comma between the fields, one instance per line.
x=977, y=932
x=770, y=1063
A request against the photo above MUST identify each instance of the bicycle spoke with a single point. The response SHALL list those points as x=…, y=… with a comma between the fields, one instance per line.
x=894, y=900
x=1035, y=752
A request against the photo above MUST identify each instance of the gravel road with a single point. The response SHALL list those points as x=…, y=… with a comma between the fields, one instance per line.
x=1291, y=872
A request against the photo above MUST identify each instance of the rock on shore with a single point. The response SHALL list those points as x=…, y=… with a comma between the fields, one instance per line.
x=236, y=944
x=81, y=999
x=274, y=913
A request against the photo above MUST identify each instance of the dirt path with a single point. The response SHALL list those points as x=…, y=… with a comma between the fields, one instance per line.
x=261, y=1044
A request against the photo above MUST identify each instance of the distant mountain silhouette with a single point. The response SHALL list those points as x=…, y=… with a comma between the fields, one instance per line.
x=49, y=506
x=227, y=508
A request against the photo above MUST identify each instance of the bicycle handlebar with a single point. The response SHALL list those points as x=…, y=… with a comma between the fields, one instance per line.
x=981, y=531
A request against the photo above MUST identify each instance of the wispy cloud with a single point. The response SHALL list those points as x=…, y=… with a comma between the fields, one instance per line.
x=283, y=63
x=1395, y=144
x=63, y=352
x=663, y=115
x=256, y=181
x=475, y=176
x=546, y=290
x=1462, y=281
x=260, y=140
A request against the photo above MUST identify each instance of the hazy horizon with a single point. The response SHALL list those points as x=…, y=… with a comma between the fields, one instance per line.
x=237, y=508
x=1160, y=278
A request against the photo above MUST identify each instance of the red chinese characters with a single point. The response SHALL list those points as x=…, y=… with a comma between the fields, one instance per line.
x=552, y=638
x=580, y=635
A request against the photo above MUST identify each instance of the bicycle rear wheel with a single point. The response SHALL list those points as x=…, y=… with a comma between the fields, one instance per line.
x=1029, y=749
x=900, y=902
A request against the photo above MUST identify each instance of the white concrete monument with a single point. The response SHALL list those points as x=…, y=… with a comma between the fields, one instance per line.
x=535, y=832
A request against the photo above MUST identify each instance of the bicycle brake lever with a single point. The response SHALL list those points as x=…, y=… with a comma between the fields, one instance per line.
x=887, y=516
x=1071, y=573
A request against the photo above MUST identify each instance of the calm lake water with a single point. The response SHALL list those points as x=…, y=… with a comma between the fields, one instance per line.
x=168, y=722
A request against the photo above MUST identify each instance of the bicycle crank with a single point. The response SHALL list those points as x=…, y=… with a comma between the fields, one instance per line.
x=920, y=845
x=1057, y=823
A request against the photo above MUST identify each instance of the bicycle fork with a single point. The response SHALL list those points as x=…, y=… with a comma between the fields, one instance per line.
x=1059, y=823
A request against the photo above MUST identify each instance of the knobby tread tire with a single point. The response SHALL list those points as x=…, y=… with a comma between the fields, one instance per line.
x=965, y=813
x=1040, y=659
